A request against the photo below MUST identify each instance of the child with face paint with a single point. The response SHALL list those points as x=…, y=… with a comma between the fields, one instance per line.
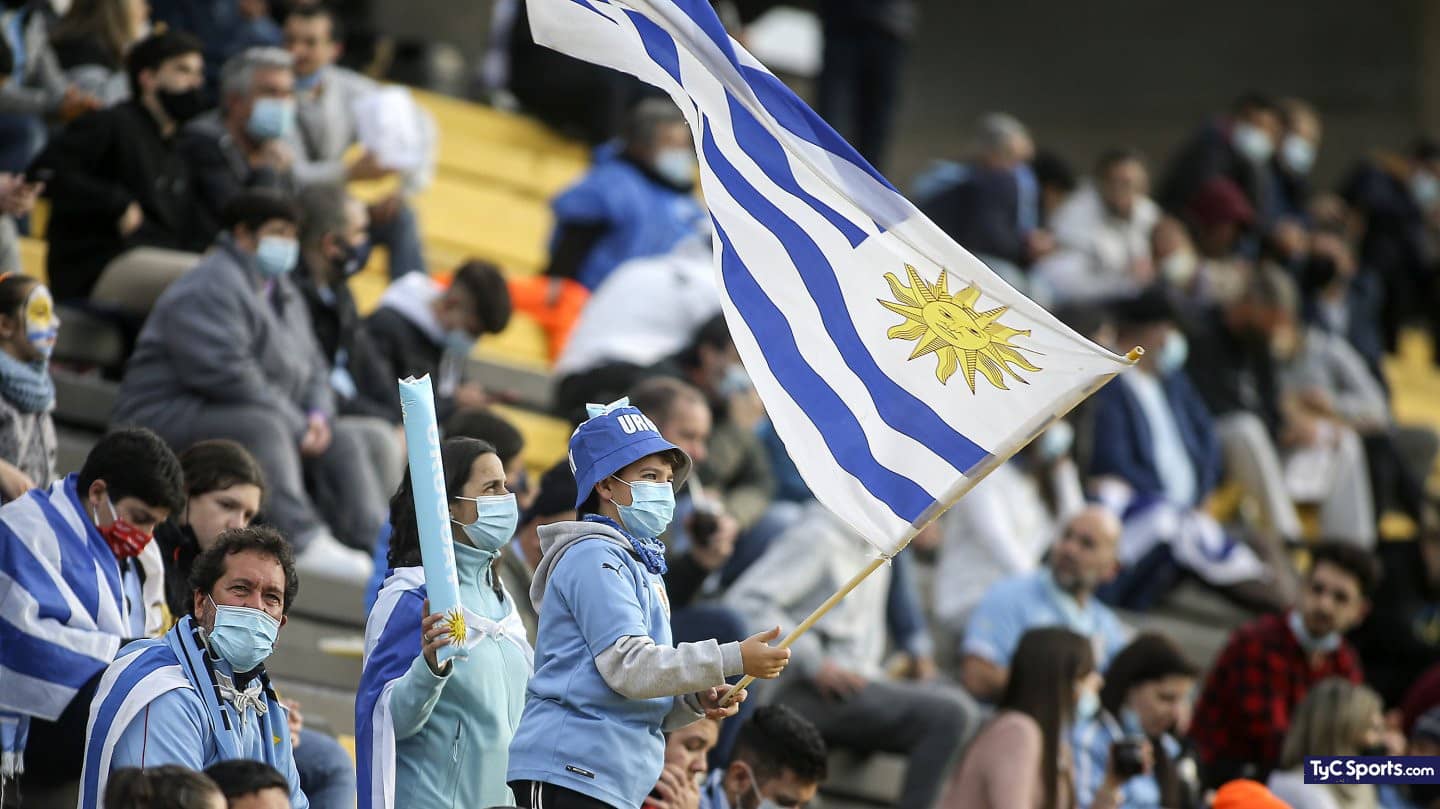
x=28, y=328
x=608, y=682
x=433, y=734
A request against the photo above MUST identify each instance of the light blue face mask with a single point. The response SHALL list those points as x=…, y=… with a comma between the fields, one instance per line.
x=1325, y=644
x=305, y=84
x=1055, y=442
x=676, y=165
x=243, y=636
x=1087, y=706
x=1174, y=353
x=459, y=341
x=496, y=518
x=271, y=118
x=652, y=506
x=276, y=255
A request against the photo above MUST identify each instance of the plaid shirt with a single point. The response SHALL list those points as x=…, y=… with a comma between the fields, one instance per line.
x=1261, y=675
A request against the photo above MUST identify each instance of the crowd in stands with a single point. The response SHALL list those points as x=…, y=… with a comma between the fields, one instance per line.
x=197, y=180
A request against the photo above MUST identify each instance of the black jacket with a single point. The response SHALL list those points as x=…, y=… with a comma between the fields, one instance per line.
x=1208, y=154
x=220, y=169
x=982, y=213
x=179, y=548
x=396, y=348
x=99, y=164
x=337, y=328
x=1232, y=374
x=1400, y=638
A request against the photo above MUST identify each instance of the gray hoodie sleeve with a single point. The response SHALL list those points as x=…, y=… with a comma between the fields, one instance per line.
x=687, y=711
x=638, y=668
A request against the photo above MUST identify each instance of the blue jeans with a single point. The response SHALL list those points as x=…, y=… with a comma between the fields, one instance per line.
x=401, y=237
x=21, y=138
x=326, y=773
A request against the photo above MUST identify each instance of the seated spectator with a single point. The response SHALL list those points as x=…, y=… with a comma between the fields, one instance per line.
x=225, y=28
x=17, y=199
x=28, y=328
x=637, y=199
x=685, y=766
x=1337, y=718
x=223, y=491
x=326, y=96
x=249, y=784
x=779, y=760
x=1022, y=756
x=333, y=248
x=1102, y=234
x=228, y=352
x=839, y=683
x=243, y=144
x=1222, y=221
x=990, y=209
x=1156, y=459
x=50, y=663
x=1177, y=263
x=1232, y=362
x=663, y=299
x=424, y=327
x=1063, y=594
x=1295, y=155
x=1237, y=147
x=1145, y=701
x=165, y=787
x=36, y=93
x=1003, y=526
x=1341, y=300
x=91, y=41
x=1269, y=665
x=1054, y=184
x=1397, y=641
x=200, y=693
x=119, y=182
x=1394, y=197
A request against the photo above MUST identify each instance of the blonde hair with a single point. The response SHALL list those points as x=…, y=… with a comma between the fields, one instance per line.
x=1329, y=722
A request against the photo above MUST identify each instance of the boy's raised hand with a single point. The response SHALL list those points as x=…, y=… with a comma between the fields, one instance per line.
x=761, y=660
x=714, y=702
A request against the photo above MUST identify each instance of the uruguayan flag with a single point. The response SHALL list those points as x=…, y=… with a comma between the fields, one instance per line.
x=897, y=369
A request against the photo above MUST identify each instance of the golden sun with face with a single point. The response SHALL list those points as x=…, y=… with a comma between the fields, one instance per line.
x=949, y=327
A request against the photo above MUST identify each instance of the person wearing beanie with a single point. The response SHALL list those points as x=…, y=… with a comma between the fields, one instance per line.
x=608, y=683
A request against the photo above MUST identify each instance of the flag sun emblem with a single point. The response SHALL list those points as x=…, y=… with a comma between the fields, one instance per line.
x=949, y=327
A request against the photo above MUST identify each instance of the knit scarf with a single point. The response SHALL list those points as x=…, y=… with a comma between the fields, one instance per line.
x=26, y=385
x=651, y=552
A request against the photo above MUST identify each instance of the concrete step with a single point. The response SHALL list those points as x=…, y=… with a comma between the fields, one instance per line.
x=299, y=656
x=863, y=780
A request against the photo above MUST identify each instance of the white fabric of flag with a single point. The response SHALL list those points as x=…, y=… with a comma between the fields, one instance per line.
x=896, y=368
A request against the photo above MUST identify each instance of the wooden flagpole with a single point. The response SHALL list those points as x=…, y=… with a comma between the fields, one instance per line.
x=804, y=626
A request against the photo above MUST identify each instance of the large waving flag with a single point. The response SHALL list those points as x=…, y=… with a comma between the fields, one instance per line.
x=897, y=368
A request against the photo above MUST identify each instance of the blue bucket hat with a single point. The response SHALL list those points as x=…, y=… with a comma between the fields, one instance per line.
x=615, y=436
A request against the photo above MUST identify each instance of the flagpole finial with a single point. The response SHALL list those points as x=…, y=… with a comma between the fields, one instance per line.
x=1134, y=355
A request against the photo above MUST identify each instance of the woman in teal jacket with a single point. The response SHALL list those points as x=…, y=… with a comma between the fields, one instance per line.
x=440, y=734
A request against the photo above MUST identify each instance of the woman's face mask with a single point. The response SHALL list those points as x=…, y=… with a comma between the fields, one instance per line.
x=496, y=518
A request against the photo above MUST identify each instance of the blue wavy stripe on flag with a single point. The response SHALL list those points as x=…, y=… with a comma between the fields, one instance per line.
x=61, y=614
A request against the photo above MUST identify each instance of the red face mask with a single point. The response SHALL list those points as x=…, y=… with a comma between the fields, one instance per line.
x=125, y=540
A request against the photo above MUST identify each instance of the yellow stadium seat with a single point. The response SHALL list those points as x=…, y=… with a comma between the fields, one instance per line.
x=492, y=223
x=523, y=344
x=32, y=258
x=454, y=115
x=547, y=438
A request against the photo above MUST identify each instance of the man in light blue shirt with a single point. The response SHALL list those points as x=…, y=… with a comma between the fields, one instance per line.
x=1063, y=594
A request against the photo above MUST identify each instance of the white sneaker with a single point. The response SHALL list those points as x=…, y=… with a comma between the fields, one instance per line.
x=324, y=556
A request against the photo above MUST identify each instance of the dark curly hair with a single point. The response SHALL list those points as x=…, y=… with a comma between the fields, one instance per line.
x=776, y=738
x=210, y=565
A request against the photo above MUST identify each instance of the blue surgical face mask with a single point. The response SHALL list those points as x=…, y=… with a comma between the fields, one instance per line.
x=1173, y=354
x=676, y=165
x=1297, y=154
x=243, y=636
x=271, y=118
x=1087, y=706
x=1252, y=142
x=1325, y=644
x=305, y=84
x=1425, y=187
x=459, y=341
x=495, y=520
x=1055, y=442
x=276, y=255
x=652, y=506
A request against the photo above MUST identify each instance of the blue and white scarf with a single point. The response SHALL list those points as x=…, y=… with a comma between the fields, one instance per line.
x=26, y=385
x=651, y=552
x=149, y=668
x=392, y=640
x=62, y=609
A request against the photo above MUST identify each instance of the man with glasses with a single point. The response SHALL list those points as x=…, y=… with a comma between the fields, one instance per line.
x=1082, y=559
x=1269, y=665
